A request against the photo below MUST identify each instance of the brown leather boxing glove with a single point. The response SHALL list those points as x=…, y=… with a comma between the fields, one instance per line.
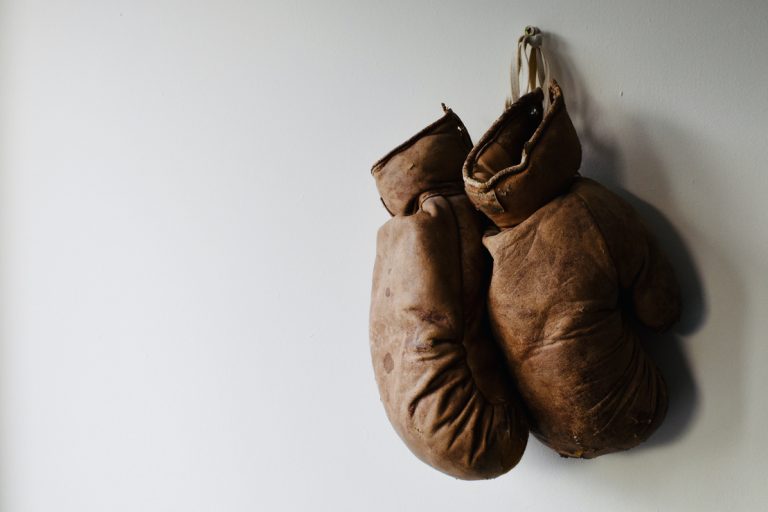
x=572, y=264
x=442, y=380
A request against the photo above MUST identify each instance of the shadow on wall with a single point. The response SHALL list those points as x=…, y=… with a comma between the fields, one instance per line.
x=603, y=162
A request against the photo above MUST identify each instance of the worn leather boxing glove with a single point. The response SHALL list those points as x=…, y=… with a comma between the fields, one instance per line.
x=573, y=267
x=441, y=378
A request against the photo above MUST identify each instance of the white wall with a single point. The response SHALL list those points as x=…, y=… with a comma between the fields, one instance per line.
x=187, y=228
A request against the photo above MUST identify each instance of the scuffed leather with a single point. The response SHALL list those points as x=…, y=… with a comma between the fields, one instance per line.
x=524, y=160
x=573, y=266
x=441, y=378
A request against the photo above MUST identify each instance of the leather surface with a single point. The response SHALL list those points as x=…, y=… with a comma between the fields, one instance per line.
x=442, y=379
x=524, y=160
x=570, y=278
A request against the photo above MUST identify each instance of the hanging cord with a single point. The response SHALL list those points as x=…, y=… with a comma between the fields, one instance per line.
x=528, y=50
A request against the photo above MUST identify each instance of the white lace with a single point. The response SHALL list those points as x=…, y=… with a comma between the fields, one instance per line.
x=537, y=68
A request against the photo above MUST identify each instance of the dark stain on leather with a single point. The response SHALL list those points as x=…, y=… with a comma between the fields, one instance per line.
x=389, y=364
x=431, y=316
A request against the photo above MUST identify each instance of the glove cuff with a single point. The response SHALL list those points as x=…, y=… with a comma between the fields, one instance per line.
x=524, y=160
x=431, y=160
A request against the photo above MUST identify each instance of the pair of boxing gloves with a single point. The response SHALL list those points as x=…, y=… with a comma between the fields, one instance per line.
x=506, y=295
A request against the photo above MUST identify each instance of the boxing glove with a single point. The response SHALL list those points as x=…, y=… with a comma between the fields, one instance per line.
x=441, y=378
x=574, y=268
